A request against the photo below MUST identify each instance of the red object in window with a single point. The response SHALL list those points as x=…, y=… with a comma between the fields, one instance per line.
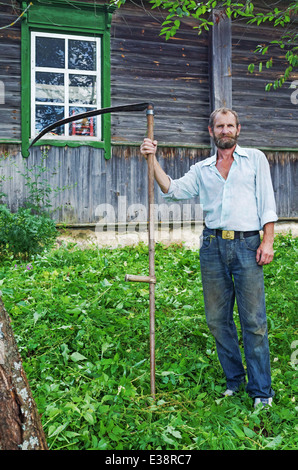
x=73, y=127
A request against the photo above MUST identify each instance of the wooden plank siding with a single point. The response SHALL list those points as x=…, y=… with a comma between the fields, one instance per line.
x=269, y=119
x=121, y=181
x=10, y=73
x=93, y=181
x=175, y=75
x=172, y=74
x=284, y=174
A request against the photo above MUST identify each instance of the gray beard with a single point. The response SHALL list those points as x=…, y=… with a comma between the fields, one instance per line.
x=225, y=144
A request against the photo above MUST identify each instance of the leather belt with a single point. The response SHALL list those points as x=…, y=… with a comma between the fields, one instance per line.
x=232, y=234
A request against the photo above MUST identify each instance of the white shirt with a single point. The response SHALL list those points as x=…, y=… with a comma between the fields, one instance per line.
x=244, y=201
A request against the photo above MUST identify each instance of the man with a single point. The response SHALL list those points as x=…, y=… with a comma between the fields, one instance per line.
x=235, y=189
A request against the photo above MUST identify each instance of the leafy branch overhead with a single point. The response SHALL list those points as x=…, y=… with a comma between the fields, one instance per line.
x=282, y=15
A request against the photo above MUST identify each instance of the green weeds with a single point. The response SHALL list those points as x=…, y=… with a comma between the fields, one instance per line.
x=30, y=229
x=83, y=333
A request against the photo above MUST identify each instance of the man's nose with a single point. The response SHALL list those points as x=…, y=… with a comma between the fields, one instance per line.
x=225, y=130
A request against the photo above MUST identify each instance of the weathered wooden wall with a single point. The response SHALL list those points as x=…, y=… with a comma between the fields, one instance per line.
x=175, y=75
x=121, y=182
x=10, y=73
x=269, y=119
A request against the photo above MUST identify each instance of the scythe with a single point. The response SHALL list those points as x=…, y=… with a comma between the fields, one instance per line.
x=151, y=280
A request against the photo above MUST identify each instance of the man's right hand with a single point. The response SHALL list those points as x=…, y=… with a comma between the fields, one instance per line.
x=148, y=147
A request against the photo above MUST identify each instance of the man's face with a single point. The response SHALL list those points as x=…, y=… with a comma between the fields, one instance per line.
x=225, y=131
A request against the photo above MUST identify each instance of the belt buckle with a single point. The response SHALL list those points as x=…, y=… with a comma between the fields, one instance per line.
x=228, y=234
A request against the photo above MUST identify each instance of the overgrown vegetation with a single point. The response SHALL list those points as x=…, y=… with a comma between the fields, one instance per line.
x=31, y=228
x=25, y=233
x=83, y=333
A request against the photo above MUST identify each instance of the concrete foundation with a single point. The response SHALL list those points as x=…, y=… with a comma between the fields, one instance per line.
x=188, y=235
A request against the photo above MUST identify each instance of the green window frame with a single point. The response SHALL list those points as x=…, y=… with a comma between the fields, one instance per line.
x=70, y=19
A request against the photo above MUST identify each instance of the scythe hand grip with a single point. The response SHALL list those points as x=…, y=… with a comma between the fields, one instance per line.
x=150, y=121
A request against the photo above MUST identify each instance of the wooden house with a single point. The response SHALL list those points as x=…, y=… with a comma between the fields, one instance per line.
x=63, y=57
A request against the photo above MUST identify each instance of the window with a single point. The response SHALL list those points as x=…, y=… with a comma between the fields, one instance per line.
x=64, y=47
x=65, y=80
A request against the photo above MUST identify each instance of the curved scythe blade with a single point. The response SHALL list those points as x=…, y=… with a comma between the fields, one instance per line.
x=77, y=117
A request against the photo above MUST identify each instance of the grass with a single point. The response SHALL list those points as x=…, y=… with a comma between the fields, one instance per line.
x=83, y=334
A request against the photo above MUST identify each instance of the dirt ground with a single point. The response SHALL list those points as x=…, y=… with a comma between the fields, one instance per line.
x=189, y=236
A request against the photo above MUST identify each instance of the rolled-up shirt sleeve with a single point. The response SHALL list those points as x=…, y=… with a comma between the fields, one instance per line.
x=264, y=191
x=183, y=188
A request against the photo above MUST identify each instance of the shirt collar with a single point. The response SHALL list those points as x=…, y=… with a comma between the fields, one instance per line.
x=239, y=151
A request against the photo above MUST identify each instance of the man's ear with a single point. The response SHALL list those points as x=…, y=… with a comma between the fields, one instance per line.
x=210, y=131
x=239, y=129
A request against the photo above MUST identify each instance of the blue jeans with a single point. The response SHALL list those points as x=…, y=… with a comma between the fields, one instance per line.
x=229, y=269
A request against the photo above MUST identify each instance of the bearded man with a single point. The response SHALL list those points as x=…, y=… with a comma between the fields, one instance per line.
x=235, y=189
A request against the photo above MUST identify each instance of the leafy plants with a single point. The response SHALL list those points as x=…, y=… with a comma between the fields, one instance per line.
x=40, y=192
x=24, y=232
x=31, y=229
x=83, y=333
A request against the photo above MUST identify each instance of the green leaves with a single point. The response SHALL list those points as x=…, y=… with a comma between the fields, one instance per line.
x=24, y=233
x=282, y=19
x=76, y=356
x=83, y=333
x=31, y=229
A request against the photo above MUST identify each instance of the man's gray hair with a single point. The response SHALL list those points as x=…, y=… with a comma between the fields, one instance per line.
x=222, y=111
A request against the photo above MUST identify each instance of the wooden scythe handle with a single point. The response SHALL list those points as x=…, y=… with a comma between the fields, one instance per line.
x=150, y=161
x=151, y=280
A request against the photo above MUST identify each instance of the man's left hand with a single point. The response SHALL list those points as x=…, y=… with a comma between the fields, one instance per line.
x=265, y=253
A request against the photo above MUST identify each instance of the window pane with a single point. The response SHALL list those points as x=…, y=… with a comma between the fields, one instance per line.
x=69, y=85
x=50, y=52
x=46, y=115
x=85, y=126
x=82, y=89
x=81, y=55
x=49, y=87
